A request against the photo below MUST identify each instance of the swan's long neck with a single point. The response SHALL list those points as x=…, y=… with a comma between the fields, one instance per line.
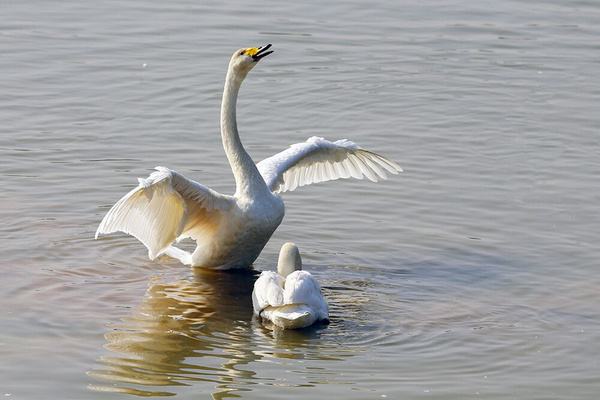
x=247, y=178
x=289, y=259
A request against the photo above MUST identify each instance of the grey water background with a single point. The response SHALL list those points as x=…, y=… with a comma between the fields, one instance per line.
x=474, y=274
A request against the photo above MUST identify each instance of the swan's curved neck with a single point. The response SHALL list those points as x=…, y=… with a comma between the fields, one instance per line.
x=247, y=178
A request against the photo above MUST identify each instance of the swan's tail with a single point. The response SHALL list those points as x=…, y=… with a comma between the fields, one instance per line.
x=292, y=316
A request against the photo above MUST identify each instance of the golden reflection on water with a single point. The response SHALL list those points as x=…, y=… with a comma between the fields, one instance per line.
x=197, y=330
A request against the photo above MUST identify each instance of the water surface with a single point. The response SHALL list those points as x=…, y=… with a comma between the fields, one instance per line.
x=474, y=274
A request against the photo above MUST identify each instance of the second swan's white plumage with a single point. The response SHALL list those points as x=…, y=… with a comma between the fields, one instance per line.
x=231, y=231
x=289, y=298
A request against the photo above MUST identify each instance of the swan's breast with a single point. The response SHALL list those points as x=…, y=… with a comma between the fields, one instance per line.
x=242, y=235
x=265, y=211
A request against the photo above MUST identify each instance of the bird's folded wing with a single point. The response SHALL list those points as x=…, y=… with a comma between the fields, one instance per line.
x=162, y=207
x=268, y=291
x=302, y=288
x=319, y=160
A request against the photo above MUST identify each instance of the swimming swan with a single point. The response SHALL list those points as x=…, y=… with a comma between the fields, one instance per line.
x=290, y=298
x=231, y=231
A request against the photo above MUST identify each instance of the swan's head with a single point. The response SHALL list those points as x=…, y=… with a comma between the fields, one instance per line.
x=289, y=259
x=243, y=60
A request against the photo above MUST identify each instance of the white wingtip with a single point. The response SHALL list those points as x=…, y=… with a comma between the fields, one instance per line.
x=396, y=165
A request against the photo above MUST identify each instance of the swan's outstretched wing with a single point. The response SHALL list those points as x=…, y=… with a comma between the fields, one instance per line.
x=163, y=207
x=302, y=288
x=268, y=291
x=319, y=160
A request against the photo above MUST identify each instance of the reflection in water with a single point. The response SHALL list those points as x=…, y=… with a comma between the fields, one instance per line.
x=295, y=343
x=177, y=323
x=200, y=330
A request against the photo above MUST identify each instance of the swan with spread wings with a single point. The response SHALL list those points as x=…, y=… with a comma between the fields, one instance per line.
x=231, y=231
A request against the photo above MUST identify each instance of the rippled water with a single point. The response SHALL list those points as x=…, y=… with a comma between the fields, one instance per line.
x=474, y=274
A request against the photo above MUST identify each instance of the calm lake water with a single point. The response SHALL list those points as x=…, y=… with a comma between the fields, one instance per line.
x=474, y=274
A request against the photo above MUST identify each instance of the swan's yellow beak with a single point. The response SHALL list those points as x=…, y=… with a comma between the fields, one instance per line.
x=258, y=52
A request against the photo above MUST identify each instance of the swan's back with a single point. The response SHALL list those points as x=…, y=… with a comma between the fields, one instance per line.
x=291, y=303
x=302, y=288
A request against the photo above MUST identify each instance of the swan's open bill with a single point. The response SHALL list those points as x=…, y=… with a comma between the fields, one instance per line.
x=231, y=231
x=290, y=298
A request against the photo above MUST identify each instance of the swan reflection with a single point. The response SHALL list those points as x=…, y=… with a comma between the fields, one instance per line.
x=200, y=330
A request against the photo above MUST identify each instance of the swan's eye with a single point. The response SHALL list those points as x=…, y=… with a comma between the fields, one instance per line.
x=242, y=52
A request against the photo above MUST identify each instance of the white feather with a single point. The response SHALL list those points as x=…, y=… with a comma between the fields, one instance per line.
x=268, y=291
x=159, y=208
x=290, y=303
x=319, y=160
x=302, y=288
x=291, y=316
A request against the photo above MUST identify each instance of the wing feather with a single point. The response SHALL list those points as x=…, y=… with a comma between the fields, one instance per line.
x=302, y=288
x=319, y=160
x=268, y=291
x=162, y=207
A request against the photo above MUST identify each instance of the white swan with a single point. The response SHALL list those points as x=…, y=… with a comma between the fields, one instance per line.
x=231, y=231
x=290, y=298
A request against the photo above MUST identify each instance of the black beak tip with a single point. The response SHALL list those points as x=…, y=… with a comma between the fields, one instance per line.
x=262, y=52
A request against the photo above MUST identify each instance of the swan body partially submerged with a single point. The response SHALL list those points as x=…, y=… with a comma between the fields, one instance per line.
x=289, y=298
x=231, y=231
